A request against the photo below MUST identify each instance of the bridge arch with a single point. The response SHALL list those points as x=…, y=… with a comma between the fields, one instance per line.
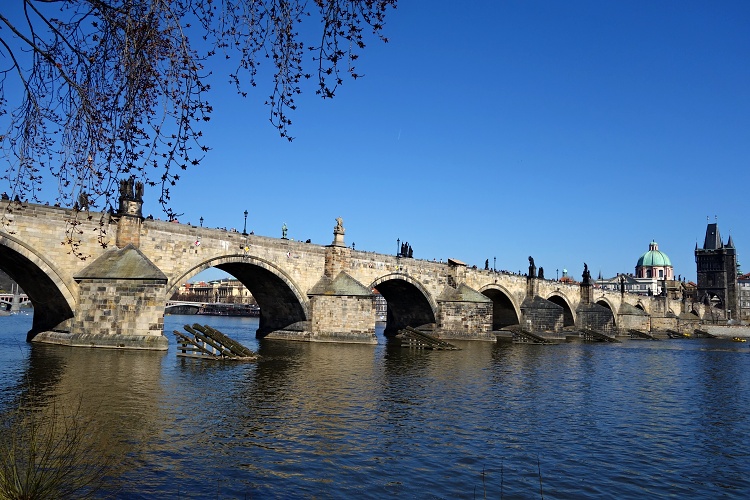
x=52, y=295
x=604, y=302
x=282, y=305
x=409, y=302
x=559, y=298
x=505, y=311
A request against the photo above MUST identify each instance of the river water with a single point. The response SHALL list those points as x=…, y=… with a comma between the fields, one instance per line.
x=641, y=419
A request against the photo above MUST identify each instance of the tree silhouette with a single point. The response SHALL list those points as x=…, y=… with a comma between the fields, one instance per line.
x=92, y=91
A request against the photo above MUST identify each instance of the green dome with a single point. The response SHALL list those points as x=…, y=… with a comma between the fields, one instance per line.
x=654, y=257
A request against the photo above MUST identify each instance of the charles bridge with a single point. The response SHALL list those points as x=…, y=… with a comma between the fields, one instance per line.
x=114, y=291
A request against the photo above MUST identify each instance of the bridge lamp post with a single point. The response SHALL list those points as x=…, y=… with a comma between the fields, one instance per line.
x=244, y=228
x=398, y=247
x=557, y=274
x=494, y=264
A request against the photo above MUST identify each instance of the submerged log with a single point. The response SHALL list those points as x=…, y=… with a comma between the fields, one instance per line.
x=411, y=337
x=521, y=336
x=204, y=342
x=595, y=336
x=638, y=334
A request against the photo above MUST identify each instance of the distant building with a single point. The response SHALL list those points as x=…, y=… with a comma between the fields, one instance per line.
x=632, y=285
x=744, y=286
x=717, y=273
x=654, y=264
x=228, y=291
x=565, y=278
x=381, y=306
x=654, y=275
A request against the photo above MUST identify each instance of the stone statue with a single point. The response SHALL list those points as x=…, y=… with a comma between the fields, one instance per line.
x=586, y=274
x=83, y=201
x=339, y=229
x=622, y=285
x=283, y=231
x=131, y=190
x=532, y=267
x=123, y=189
x=541, y=273
x=486, y=264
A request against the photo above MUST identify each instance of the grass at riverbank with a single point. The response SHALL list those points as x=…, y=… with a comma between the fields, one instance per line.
x=50, y=453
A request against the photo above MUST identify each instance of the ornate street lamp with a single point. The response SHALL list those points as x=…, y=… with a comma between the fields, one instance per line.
x=398, y=247
x=244, y=228
x=494, y=264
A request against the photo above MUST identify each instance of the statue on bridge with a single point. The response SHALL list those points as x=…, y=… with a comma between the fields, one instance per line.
x=586, y=274
x=338, y=233
x=339, y=229
x=532, y=267
x=283, y=231
x=131, y=190
x=131, y=197
x=541, y=273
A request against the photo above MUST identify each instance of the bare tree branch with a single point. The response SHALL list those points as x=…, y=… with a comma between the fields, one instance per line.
x=104, y=89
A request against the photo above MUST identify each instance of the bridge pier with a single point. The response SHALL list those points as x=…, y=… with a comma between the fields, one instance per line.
x=464, y=313
x=120, y=304
x=121, y=295
x=538, y=315
x=341, y=308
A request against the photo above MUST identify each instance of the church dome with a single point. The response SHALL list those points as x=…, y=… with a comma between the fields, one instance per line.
x=654, y=257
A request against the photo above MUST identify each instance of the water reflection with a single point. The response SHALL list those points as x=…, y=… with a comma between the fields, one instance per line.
x=337, y=421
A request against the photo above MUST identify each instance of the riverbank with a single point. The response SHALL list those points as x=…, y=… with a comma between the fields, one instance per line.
x=721, y=331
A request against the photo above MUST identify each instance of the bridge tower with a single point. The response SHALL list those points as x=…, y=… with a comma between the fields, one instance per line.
x=716, y=265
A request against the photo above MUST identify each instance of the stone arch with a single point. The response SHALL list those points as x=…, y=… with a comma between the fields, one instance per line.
x=569, y=318
x=505, y=311
x=604, y=302
x=52, y=294
x=640, y=305
x=409, y=302
x=282, y=304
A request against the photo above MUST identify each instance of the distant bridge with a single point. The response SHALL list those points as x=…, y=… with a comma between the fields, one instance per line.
x=117, y=296
x=12, y=302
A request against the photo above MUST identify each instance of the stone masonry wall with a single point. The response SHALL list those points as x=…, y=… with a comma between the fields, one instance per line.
x=120, y=307
x=595, y=317
x=540, y=315
x=336, y=318
x=464, y=320
x=663, y=324
x=627, y=322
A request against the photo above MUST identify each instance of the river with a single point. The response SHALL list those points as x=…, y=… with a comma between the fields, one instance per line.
x=633, y=420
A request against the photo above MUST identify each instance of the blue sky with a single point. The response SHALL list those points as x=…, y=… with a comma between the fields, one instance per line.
x=572, y=131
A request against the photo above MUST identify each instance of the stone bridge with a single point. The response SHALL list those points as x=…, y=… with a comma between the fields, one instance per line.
x=110, y=286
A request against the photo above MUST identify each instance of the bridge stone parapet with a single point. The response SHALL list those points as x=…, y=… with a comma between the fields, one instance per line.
x=84, y=290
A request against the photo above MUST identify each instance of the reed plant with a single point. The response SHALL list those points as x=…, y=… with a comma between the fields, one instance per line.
x=50, y=452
